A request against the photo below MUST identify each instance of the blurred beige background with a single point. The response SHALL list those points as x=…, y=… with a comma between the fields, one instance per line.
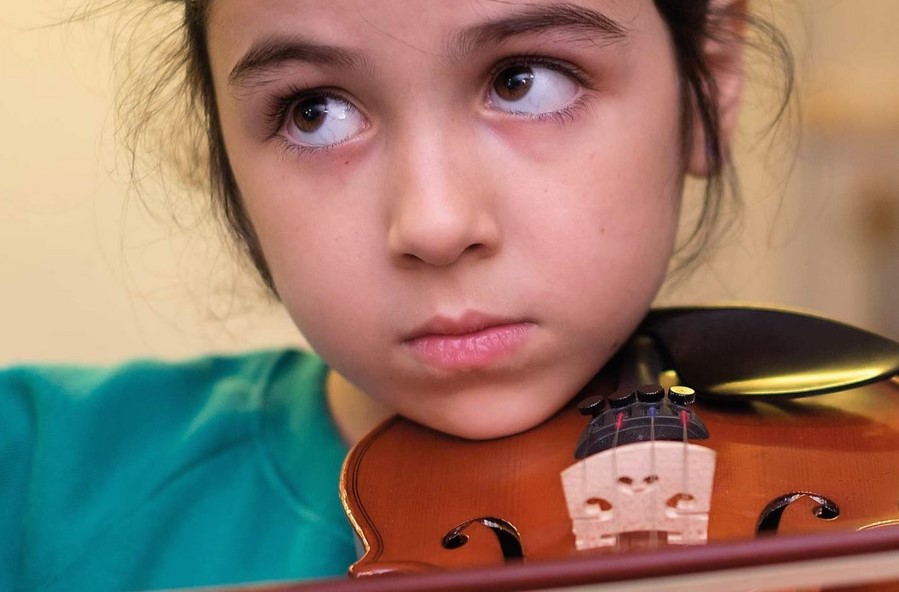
x=87, y=275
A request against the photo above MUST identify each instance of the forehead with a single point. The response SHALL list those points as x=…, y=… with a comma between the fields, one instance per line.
x=444, y=28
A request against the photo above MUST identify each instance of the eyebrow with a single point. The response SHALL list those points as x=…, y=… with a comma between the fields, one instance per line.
x=595, y=27
x=269, y=54
x=272, y=53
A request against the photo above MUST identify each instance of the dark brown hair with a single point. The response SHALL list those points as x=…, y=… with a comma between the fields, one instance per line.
x=201, y=157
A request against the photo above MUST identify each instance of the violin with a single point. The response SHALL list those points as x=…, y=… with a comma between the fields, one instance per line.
x=790, y=427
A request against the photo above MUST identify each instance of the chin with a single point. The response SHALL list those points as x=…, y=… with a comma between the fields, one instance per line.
x=483, y=410
x=490, y=421
x=486, y=431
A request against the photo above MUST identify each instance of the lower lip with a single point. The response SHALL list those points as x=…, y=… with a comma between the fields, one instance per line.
x=470, y=350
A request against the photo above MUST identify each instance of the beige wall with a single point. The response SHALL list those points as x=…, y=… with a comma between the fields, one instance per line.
x=85, y=275
x=821, y=229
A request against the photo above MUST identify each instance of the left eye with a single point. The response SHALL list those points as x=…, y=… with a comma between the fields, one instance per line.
x=321, y=121
x=532, y=89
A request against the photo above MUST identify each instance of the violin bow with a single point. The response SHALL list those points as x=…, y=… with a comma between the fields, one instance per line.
x=773, y=563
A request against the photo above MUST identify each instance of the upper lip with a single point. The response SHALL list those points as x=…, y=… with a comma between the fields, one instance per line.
x=464, y=324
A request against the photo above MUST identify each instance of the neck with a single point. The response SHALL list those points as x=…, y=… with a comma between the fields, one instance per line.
x=354, y=412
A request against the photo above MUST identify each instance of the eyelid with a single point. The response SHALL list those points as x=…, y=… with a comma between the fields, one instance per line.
x=289, y=148
x=279, y=110
x=280, y=103
x=562, y=66
x=576, y=76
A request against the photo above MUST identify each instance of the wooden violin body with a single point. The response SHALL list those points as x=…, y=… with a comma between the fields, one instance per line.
x=422, y=501
x=794, y=455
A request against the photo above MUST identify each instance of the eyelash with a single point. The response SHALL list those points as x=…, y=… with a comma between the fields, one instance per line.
x=279, y=105
x=562, y=67
x=278, y=109
x=569, y=112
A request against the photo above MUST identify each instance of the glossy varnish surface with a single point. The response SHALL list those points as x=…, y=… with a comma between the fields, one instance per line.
x=406, y=486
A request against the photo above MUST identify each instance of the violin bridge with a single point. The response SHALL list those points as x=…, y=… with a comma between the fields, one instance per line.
x=659, y=487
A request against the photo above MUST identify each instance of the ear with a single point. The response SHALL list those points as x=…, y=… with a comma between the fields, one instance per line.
x=724, y=56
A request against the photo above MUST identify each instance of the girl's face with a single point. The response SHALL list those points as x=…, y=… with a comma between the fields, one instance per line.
x=466, y=205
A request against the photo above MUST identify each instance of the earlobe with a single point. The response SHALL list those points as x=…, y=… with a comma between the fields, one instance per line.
x=723, y=54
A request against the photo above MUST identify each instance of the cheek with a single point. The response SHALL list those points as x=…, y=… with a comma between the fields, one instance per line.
x=607, y=261
x=606, y=204
x=298, y=212
x=320, y=226
x=610, y=192
x=602, y=236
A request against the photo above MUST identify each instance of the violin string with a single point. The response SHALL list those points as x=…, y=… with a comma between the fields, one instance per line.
x=619, y=422
x=585, y=483
x=654, y=482
x=584, y=487
x=684, y=464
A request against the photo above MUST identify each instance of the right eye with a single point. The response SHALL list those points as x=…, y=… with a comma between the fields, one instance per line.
x=322, y=121
x=533, y=89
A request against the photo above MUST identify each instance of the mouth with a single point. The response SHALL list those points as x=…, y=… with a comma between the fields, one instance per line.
x=471, y=341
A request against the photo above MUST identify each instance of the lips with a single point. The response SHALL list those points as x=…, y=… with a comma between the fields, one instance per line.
x=473, y=340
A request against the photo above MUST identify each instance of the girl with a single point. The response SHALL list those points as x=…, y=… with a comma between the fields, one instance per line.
x=466, y=208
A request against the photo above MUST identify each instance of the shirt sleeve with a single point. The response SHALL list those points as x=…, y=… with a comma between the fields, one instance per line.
x=160, y=475
x=17, y=442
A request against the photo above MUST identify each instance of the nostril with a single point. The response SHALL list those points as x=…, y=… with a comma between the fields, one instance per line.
x=438, y=251
x=440, y=236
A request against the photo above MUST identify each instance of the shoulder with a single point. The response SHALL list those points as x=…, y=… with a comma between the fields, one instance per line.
x=64, y=410
x=57, y=396
x=71, y=384
x=92, y=454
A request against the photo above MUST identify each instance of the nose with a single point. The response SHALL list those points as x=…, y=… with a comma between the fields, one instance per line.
x=441, y=207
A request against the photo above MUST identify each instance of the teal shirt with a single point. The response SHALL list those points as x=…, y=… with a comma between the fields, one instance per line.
x=215, y=471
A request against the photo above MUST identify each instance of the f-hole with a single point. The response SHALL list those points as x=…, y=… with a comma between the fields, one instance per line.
x=769, y=519
x=506, y=534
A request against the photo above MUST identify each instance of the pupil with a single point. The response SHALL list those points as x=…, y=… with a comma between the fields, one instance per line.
x=311, y=114
x=514, y=83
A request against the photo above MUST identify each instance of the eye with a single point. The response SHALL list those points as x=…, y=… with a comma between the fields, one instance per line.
x=532, y=89
x=321, y=121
